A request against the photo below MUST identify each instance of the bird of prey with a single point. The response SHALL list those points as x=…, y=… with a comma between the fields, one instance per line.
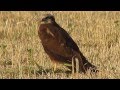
x=59, y=46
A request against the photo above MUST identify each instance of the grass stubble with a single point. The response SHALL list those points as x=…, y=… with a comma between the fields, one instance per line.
x=97, y=33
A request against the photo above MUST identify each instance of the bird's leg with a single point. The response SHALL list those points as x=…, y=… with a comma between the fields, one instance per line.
x=55, y=67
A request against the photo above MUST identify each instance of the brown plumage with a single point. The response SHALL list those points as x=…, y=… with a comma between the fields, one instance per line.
x=59, y=46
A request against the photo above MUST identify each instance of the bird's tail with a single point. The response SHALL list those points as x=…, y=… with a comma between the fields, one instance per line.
x=81, y=64
x=88, y=65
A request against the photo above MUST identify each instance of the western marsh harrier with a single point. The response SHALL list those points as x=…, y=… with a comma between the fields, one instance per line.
x=59, y=46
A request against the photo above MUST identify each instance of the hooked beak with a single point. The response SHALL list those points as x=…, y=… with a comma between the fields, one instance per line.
x=43, y=20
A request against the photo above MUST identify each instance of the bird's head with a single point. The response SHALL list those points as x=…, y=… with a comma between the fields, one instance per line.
x=48, y=18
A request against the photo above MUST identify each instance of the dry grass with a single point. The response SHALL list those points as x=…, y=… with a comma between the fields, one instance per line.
x=96, y=33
